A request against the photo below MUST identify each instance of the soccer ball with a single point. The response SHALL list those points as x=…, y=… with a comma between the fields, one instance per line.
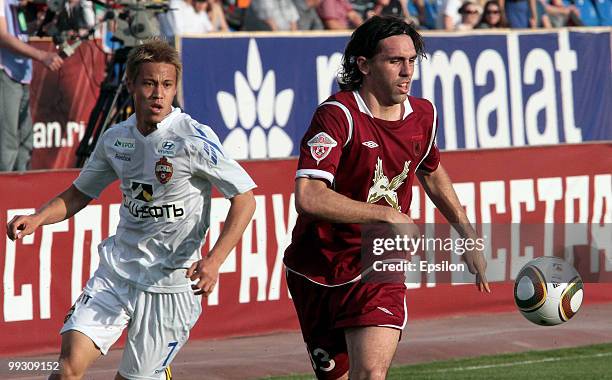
x=548, y=291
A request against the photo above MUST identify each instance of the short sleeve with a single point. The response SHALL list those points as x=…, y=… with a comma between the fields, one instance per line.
x=97, y=173
x=321, y=147
x=431, y=159
x=210, y=161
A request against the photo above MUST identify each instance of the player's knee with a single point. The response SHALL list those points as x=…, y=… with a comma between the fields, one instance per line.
x=71, y=369
x=368, y=371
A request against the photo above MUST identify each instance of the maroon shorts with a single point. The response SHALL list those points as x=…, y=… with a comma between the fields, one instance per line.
x=324, y=312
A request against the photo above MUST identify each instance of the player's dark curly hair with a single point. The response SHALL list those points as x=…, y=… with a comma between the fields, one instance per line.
x=364, y=43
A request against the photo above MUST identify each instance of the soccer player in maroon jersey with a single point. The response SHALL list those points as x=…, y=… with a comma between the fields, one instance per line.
x=357, y=164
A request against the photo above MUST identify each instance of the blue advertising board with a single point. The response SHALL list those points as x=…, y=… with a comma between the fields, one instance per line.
x=491, y=90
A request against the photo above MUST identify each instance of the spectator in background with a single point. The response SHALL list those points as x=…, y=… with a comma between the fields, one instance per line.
x=216, y=16
x=183, y=18
x=520, y=13
x=76, y=15
x=396, y=8
x=558, y=15
x=16, y=56
x=448, y=16
x=493, y=16
x=309, y=19
x=470, y=15
x=338, y=15
x=274, y=15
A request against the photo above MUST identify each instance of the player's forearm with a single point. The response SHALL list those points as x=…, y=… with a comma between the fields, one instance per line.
x=239, y=215
x=439, y=188
x=62, y=207
x=316, y=200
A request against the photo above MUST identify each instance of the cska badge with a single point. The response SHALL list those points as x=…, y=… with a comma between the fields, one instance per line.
x=163, y=170
x=320, y=146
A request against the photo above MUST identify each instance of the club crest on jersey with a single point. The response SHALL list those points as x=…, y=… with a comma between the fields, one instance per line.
x=320, y=146
x=417, y=147
x=383, y=189
x=163, y=170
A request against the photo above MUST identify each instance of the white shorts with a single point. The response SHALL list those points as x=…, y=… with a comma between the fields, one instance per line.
x=158, y=323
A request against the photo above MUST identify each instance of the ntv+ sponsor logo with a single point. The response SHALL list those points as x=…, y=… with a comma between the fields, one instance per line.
x=256, y=115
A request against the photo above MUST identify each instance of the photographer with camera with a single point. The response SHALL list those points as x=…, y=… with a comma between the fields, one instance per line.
x=15, y=76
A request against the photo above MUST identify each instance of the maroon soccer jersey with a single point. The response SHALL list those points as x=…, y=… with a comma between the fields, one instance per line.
x=366, y=159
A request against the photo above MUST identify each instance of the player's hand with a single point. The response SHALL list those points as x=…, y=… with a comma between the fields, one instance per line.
x=21, y=225
x=402, y=224
x=51, y=60
x=206, y=272
x=477, y=264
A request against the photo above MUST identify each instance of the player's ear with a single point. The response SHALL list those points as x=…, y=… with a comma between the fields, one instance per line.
x=362, y=64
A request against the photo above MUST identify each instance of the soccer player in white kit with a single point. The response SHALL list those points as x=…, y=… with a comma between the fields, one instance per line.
x=151, y=271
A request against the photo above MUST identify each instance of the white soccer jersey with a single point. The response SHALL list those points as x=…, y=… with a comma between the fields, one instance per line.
x=166, y=180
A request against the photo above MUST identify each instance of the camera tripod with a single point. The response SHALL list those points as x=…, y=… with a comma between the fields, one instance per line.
x=113, y=105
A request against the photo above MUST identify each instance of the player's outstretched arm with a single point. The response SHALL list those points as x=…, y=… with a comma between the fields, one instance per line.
x=315, y=199
x=439, y=188
x=206, y=270
x=57, y=209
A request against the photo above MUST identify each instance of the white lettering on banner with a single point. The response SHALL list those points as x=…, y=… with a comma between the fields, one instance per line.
x=88, y=219
x=538, y=60
x=521, y=192
x=567, y=194
x=16, y=308
x=255, y=264
x=440, y=66
x=327, y=72
x=219, y=208
x=576, y=230
x=466, y=193
x=491, y=62
x=550, y=191
x=516, y=90
x=46, y=243
x=493, y=193
x=49, y=135
x=282, y=233
x=602, y=238
x=566, y=63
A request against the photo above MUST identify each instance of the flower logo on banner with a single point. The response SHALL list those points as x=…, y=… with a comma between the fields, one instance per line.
x=256, y=115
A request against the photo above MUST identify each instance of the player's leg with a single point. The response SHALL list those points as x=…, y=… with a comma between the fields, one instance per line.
x=325, y=344
x=159, y=328
x=371, y=350
x=92, y=325
x=78, y=353
x=373, y=317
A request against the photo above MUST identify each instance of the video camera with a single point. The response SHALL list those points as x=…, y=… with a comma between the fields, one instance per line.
x=130, y=21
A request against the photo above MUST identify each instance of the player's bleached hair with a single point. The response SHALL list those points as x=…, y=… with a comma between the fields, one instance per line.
x=364, y=43
x=153, y=50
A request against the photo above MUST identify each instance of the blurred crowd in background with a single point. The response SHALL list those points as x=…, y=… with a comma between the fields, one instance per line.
x=189, y=17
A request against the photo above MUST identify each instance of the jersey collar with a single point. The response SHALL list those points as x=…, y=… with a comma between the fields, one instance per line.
x=162, y=124
x=364, y=108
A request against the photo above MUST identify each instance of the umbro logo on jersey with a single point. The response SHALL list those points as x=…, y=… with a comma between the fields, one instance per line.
x=142, y=191
x=370, y=144
x=384, y=310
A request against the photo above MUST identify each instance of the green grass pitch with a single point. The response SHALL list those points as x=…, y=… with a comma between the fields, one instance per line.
x=588, y=362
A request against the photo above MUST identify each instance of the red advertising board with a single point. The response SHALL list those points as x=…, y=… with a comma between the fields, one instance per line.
x=43, y=274
x=61, y=102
